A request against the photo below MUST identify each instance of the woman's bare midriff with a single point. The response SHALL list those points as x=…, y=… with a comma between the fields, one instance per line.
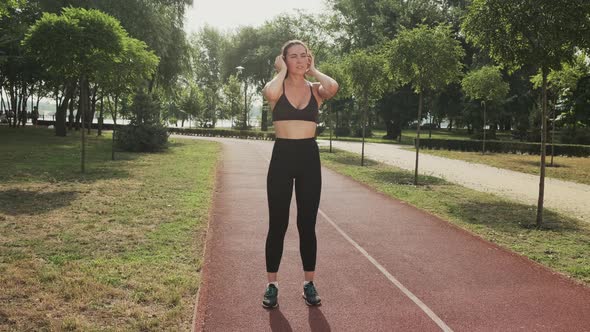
x=294, y=129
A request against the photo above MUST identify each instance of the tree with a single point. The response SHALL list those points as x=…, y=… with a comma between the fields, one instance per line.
x=6, y=5
x=208, y=47
x=94, y=38
x=428, y=59
x=232, y=92
x=337, y=70
x=126, y=73
x=20, y=75
x=486, y=85
x=520, y=32
x=159, y=23
x=561, y=86
x=367, y=82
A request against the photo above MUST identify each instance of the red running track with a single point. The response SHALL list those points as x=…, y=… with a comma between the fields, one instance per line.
x=382, y=265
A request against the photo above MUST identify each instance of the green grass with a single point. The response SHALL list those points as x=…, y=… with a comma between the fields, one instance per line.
x=562, y=244
x=575, y=169
x=116, y=249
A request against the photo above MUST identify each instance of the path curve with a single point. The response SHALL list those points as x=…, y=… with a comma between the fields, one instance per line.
x=570, y=198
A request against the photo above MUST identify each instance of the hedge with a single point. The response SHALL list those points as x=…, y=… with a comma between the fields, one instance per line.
x=503, y=147
x=223, y=133
x=235, y=133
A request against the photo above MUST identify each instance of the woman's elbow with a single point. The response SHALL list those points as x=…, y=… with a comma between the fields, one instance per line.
x=334, y=89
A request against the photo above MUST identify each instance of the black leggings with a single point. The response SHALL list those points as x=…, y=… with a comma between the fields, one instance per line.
x=299, y=160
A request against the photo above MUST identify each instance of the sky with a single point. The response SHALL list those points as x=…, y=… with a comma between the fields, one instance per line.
x=227, y=15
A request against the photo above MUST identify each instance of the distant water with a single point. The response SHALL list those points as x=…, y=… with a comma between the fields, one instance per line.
x=46, y=115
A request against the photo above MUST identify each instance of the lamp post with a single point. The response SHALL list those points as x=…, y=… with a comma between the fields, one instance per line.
x=240, y=68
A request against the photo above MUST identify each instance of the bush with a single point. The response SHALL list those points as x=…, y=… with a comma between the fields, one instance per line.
x=319, y=130
x=236, y=133
x=580, y=136
x=359, y=132
x=424, y=126
x=490, y=135
x=141, y=138
x=503, y=147
x=342, y=131
x=145, y=132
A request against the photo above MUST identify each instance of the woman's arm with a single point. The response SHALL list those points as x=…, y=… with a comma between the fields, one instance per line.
x=272, y=90
x=328, y=86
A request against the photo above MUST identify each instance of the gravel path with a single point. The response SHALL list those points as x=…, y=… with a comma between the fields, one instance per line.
x=568, y=197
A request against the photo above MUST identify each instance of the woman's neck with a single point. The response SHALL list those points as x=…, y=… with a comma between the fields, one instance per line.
x=296, y=80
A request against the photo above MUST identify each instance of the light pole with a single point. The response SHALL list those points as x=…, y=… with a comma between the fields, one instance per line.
x=240, y=68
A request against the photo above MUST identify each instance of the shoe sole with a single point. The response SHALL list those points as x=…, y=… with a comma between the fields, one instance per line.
x=311, y=304
x=266, y=306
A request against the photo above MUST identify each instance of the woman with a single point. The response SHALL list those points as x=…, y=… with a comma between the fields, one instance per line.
x=294, y=102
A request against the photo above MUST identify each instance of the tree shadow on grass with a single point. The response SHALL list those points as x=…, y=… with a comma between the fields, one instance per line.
x=62, y=163
x=514, y=217
x=537, y=163
x=175, y=144
x=17, y=202
x=405, y=178
x=386, y=173
x=346, y=158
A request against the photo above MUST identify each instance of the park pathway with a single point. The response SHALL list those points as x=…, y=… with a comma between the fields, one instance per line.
x=382, y=265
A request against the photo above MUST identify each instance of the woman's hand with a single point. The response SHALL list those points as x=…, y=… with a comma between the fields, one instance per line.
x=280, y=63
x=311, y=70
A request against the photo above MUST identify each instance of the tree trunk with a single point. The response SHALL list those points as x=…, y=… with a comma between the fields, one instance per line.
x=418, y=137
x=364, y=103
x=100, y=115
x=114, y=115
x=20, y=106
x=543, y=143
x=331, y=123
x=430, y=125
x=71, y=117
x=553, y=131
x=83, y=110
x=245, y=105
x=483, y=149
x=264, y=115
x=79, y=111
x=61, y=112
x=92, y=111
x=13, y=106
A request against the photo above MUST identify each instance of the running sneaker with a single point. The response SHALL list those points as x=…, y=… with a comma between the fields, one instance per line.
x=271, y=297
x=310, y=294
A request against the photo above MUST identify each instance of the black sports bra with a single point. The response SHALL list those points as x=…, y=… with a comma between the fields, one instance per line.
x=284, y=110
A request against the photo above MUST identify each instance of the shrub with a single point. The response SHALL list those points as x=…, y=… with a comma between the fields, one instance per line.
x=358, y=132
x=142, y=138
x=579, y=136
x=319, y=130
x=503, y=147
x=342, y=131
x=145, y=132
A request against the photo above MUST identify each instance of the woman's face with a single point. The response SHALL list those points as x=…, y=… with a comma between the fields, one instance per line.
x=297, y=59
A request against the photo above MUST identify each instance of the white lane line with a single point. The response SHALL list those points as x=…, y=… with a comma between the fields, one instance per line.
x=380, y=267
x=391, y=278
